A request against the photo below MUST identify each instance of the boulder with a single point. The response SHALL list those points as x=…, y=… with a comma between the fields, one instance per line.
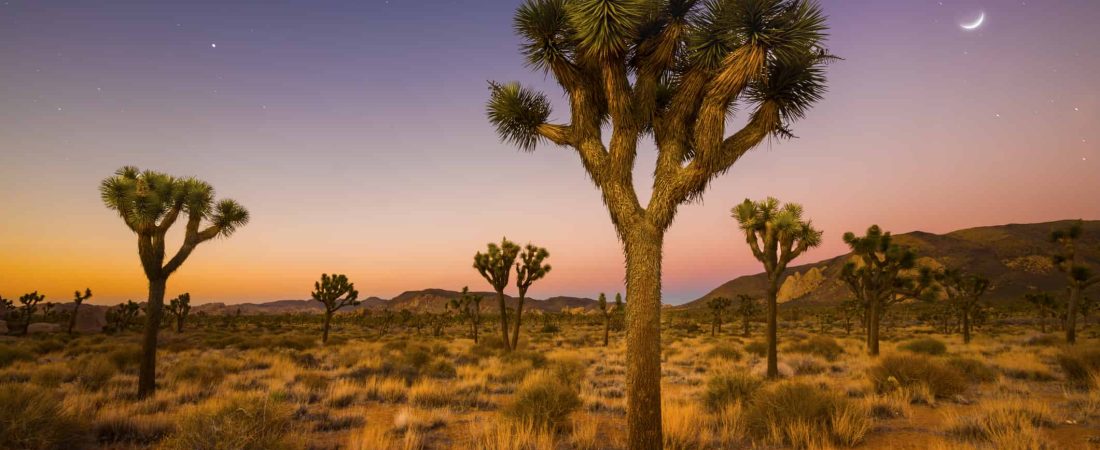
x=90, y=319
x=43, y=327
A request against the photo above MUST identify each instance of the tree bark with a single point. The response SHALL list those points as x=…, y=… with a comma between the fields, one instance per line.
x=643, y=338
x=1071, y=313
x=504, y=322
x=328, y=321
x=72, y=320
x=872, y=326
x=147, y=372
x=773, y=328
x=515, y=328
x=966, y=326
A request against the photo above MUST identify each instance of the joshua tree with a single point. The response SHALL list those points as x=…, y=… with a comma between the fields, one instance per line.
x=1078, y=275
x=674, y=71
x=180, y=308
x=30, y=305
x=495, y=265
x=334, y=292
x=620, y=310
x=6, y=307
x=469, y=307
x=747, y=308
x=718, y=307
x=120, y=316
x=777, y=235
x=601, y=302
x=964, y=291
x=528, y=270
x=878, y=276
x=150, y=203
x=78, y=299
x=1045, y=304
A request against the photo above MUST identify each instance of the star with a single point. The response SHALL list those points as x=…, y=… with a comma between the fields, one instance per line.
x=213, y=45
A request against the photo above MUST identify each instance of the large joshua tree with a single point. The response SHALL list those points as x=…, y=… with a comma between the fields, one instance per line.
x=529, y=269
x=673, y=70
x=879, y=274
x=777, y=235
x=78, y=299
x=495, y=265
x=1078, y=275
x=150, y=203
x=334, y=292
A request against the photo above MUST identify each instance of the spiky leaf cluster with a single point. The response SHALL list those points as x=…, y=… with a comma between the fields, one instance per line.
x=79, y=297
x=531, y=267
x=1066, y=261
x=335, y=292
x=776, y=233
x=881, y=268
x=495, y=265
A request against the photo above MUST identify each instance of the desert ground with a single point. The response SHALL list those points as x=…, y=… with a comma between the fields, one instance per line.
x=267, y=382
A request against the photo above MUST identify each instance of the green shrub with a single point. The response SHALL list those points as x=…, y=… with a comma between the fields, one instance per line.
x=758, y=348
x=239, y=422
x=823, y=346
x=726, y=388
x=895, y=371
x=724, y=351
x=926, y=346
x=974, y=370
x=802, y=415
x=11, y=354
x=33, y=418
x=543, y=400
x=1043, y=340
x=1079, y=364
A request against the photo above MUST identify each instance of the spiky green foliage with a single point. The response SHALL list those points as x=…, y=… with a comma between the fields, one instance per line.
x=529, y=269
x=469, y=308
x=334, y=292
x=1079, y=276
x=1045, y=304
x=78, y=299
x=6, y=307
x=747, y=308
x=718, y=307
x=495, y=265
x=672, y=70
x=180, y=308
x=963, y=293
x=879, y=274
x=776, y=234
x=150, y=203
x=119, y=317
x=29, y=302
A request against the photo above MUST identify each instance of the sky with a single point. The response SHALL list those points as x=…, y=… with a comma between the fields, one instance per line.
x=355, y=133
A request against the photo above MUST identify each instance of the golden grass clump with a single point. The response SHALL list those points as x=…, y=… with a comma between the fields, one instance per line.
x=804, y=416
x=242, y=422
x=545, y=399
x=32, y=417
x=910, y=371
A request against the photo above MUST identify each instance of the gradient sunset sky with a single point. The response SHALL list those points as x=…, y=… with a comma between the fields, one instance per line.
x=355, y=133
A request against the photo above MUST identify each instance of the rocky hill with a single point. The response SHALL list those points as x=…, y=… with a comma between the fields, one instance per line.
x=1015, y=257
x=427, y=300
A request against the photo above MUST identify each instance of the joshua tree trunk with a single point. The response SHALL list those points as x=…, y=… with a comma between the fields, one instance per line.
x=606, y=328
x=147, y=373
x=643, y=339
x=515, y=327
x=72, y=320
x=1071, y=313
x=966, y=326
x=874, y=317
x=504, y=322
x=773, y=338
x=746, y=325
x=328, y=322
x=477, y=321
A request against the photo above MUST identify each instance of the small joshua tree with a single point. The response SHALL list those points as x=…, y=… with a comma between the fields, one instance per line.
x=529, y=269
x=777, y=235
x=1045, y=304
x=6, y=307
x=620, y=311
x=495, y=265
x=469, y=308
x=121, y=316
x=150, y=203
x=78, y=299
x=30, y=305
x=878, y=276
x=747, y=308
x=718, y=307
x=180, y=308
x=334, y=292
x=1078, y=275
x=964, y=292
x=605, y=313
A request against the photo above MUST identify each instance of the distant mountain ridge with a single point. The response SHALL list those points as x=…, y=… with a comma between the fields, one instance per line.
x=426, y=300
x=1015, y=257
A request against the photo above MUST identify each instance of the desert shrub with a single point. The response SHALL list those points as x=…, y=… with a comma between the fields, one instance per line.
x=1080, y=364
x=204, y=371
x=806, y=365
x=543, y=400
x=46, y=345
x=33, y=418
x=1043, y=340
x=1004, y=423
x=724, y=351
x=758, y=348
x=973, y=369
x=440, y=369
x=549, y=328
x=823, y=346
x=802, y=415
x=93, y=373
x=11, y=354
x=907, y=371
x=537, y=359
x=926, y=346
x=126, y=357
x=727, y=388
x=240, y=422
x=50, y=375
x=119, y=426
x=312, y=381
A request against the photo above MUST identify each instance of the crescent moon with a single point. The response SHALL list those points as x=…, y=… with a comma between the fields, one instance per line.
x=974, y=25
